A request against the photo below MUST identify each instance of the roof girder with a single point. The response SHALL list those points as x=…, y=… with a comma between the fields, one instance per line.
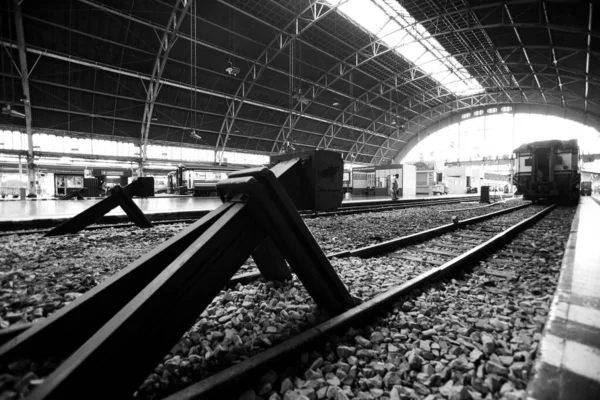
x=255, y=71
x=180, y=9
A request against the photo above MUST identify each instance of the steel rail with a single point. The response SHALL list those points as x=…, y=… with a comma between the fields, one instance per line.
x=385, y=207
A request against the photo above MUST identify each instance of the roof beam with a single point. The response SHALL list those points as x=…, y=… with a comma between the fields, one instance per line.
x=166, y=125
x=180, y=85
x=554, y=61
x=277, y=45
x=587, y=58
x=524, y=50
x=481, y=101
x=167, y=41
x=200, y=42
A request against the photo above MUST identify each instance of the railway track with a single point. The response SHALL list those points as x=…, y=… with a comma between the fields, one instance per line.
x=345, y=210
x=375, y=206
x=249, y=273
x=396, y=242
x=429, y=261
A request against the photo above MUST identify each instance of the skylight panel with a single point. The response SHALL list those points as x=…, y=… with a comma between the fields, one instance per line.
x=397, y=29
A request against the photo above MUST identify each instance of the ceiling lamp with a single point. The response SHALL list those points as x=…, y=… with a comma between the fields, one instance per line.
x=13, y=113
x=393, y=121
x=231, y=70
x=195, y=135
x=297, y=95
x=335, y=102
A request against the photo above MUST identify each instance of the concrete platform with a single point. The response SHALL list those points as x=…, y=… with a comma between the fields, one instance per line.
x=568, y=363
x=16, y=215
x=31, y=210
x=32, y=213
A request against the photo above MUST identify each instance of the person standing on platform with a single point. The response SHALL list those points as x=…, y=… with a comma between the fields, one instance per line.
x=394, y=186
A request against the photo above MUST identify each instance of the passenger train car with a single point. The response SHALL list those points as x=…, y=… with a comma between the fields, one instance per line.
x=548, y=170
x=185, y=181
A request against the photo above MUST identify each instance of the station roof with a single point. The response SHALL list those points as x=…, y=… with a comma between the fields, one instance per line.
x=312, y=73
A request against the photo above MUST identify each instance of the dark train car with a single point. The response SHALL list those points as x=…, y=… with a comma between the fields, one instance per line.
x=548, y=170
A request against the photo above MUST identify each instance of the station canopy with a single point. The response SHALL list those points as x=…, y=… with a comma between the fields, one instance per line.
x=362, y=77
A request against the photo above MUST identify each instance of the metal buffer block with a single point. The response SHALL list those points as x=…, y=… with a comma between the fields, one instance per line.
x=118, y=197
x=314, y=183
x=76, y=193
x=145, y=308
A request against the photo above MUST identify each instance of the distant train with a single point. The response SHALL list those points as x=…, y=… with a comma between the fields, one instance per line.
x=548, y=170
x=186, y=181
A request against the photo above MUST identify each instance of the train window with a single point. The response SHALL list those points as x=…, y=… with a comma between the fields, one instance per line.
x=528, y=162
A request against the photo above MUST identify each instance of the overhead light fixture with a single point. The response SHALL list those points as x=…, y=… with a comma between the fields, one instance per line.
x=393, y=121
x=231, y=69
x=335, y=102
x=297, y=94
x=195, y=135
x=154, y=119
x=6, y=110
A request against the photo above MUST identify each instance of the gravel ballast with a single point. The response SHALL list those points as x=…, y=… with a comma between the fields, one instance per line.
x=472, y=336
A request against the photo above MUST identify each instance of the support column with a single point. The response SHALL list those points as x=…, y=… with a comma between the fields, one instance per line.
x=31, y=175
x=551, y=165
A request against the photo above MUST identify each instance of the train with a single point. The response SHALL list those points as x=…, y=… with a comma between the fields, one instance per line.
x=586, y=188
x=184, y=181
x=548, y=171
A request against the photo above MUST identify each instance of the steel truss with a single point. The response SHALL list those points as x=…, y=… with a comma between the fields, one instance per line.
x=440, y=97
x=439, y=89
x=169, y=37
x=144, y=77
x=311, y=14
x=360, y=58
x=196, y=41
x=411, y=84
x=453, y=108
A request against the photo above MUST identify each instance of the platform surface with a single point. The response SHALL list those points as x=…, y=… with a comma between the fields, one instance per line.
x=568, y=364
x=60, y=209
x=28, y=210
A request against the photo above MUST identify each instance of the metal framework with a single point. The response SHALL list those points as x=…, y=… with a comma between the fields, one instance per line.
x=162, y=82
x=445, y=114
x=313, y=13
x=166, y=44
x=389, y=101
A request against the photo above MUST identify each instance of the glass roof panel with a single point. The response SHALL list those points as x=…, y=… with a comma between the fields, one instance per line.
x=398, y=30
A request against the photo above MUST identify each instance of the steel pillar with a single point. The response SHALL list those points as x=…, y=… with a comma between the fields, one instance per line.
x=31, y=179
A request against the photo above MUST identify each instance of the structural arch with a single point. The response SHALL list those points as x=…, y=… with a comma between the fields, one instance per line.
x=517, y=108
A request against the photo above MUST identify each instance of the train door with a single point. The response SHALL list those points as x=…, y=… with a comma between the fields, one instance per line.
x=171, y=183
x=542, y=164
